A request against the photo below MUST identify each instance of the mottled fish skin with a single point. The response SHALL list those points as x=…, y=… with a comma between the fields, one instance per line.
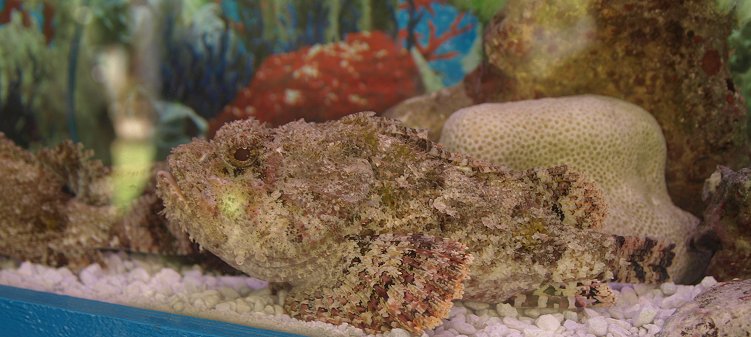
x=54, y=204
x=373, y=224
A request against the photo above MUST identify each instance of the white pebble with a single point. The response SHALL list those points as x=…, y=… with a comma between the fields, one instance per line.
x=475, y=320
x=506, y=310
x=228, y=293
x=178, y=306
x=547, y=322
x=674, y=301
x=570, y=325
x=533, y=313
x=645, y=316
x=707, y=282
x=616, y=312
x=640, y=310
x=652, y=329
x=668, y=288
x=399, y=333
x=464, y=328
x=536, y=332
x=28, y=269
x=642, y=288
x=89, y=275
x=514, y=323
x=167, y=275
x=242, y=307
x=138, y=274
x=597, y=326
x=591, y=312
x=495, y=329
x=570, y=315
x=528, y=320
x=226, y=306
x=51, y=277
x=618, y=331
x=457, y=310
x=447, y=333
x=486, y=313
x=476, y=305
x=665, y=313
x=628, y=296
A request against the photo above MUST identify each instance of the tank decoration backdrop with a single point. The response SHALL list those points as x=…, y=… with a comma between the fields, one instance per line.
x=404, y=167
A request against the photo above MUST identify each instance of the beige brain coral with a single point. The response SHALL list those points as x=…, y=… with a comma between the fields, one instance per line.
x=617, y=144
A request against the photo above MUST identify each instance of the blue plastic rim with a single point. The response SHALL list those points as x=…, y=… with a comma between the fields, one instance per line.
x=31, y=313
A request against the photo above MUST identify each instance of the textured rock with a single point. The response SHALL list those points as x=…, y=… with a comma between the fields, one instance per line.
x=374, y=225
x=723, y=310
x=727, y=223
x=430, y=111
x=671, y=58
x=615, y=143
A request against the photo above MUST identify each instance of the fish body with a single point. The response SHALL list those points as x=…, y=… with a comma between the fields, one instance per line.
x=54, y=204
x=374, y=225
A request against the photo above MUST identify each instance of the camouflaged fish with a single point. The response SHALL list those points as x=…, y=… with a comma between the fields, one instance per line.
x=56, y=209
x=54, y=204
x=374, y=225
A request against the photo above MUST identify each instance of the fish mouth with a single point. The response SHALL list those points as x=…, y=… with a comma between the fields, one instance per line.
x=169, y=188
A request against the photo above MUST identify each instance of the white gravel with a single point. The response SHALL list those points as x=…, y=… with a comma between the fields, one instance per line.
x=153, y=283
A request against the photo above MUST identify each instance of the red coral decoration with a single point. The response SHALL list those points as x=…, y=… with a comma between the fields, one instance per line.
x=367, y=71
x=434, y=42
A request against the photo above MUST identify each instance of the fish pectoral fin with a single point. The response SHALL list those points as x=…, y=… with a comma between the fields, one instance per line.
x=389, y=281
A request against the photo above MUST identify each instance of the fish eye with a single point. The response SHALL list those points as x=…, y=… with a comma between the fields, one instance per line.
x=242, y=154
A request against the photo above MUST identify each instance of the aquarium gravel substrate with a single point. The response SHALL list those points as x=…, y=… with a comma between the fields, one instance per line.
x=159, y=284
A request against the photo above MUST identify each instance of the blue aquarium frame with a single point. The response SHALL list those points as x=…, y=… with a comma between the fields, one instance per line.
x=31, y=313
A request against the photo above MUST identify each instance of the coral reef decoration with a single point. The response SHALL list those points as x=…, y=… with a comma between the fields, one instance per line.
x=367, y=71
x=727, y=223
x=429, y=49
x=430, y=111
x=722, y=310
x=615, y=143
x=443, y=39
x=671, y=58
x=374, y=225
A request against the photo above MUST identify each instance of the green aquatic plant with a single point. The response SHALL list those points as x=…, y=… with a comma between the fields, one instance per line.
x=483, y=9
